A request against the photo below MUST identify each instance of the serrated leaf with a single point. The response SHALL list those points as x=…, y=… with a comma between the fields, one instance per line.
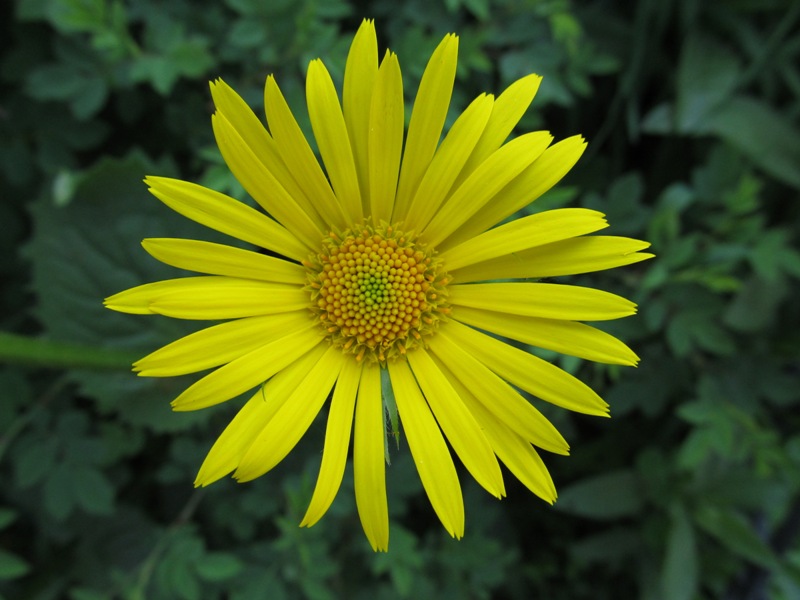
x=91, y=490
x=609, y=496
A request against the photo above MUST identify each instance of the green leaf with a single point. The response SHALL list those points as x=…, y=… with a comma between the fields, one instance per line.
x=7, y=516
x=12, y=566
x=736, y=534
x=91, y=490
x=609, y=496
x=218, y=566
x=766, y=137
x=679, y=574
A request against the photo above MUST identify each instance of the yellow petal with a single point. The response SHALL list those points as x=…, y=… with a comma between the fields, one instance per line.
x=368, y=460
x=385, y=142
x=521, y=234
x=217, y=345
x=215, y=298
x=448, y=161
x=337, y=442
x=566, y=337
x=433, y=460
x=291, y=421
x=226, y=215
x=485, y=183
x=330, y=132
x=516, y=453
x=508, y=110
x=230, y=447
x=137, y=300
x=498, y=397
x=547, y=300
x=250, y=370
x=299, y=157
x=262, y=185
x=427, y=119
x=360, y=74
x=255, y=136
x=218, y=259
x=457, y=423
x=528, y=372
x=534, y=181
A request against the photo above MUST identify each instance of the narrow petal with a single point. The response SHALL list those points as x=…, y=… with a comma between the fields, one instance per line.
x=448, y=161
x=462, y=430
x=291, y=421
x=360, y=74
x=566, y=337
x=567, y=257
x=231, y=446
x=511, y=448
x=250, y=370
x=255, y=136
x=337, y=441
x=218, y=259
x=299, y=157
x=217, y=345
x=226, y=215
x=498, y=397
x=535, y=180
x=508, y=110
x=434, y=463
x=485, y=183
x=215, y=298
x=521, y=234
x=261, y=184
x=330, y=132
x=209, y=297
x=528, y=372
x=546, y=300
x=427, y=119
x=385, y=143
x=368, y=460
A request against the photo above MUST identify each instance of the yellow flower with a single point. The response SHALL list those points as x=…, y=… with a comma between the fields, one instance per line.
x=385, y=265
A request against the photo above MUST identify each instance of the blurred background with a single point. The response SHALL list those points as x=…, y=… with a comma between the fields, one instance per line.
x=690, y=491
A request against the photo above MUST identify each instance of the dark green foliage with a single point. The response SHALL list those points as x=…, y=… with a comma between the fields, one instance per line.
x=691, y=491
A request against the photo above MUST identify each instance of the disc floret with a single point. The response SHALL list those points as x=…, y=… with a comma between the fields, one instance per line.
x=376, y=291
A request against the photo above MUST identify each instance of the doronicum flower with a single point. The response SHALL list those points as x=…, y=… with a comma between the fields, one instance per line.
x=385, y=265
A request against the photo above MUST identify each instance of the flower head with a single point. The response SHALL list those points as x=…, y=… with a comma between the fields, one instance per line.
x=385, y=262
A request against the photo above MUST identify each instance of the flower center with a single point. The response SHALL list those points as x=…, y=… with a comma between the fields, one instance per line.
x=376, y=291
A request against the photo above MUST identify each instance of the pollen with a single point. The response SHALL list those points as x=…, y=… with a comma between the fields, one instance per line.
x=376, y=291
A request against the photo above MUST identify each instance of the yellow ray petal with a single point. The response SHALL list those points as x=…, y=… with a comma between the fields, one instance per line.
x=249, y=370
x=229, y=448
x=457, y=423
x=330, y=132
x=368, y=462
x=262, y=185
x=282, y=432
x=546, y=300
x=137, y=300
x=567, y=257
x=385, y=140
x=252, y=131
x=218, y=259
x=521, y=234
x=485, y=182
x=226, y=215
x=448, y=161
x=360, y=74
x=215, y=298
x=534, y=181
x=427, y=119
x=516, y=453
x=299, y=157
x=337, y=441
x=433, y=460
x=528, y=372
x=499, y=397
x=566, y=337
x=217, y=345
x=508, y=110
